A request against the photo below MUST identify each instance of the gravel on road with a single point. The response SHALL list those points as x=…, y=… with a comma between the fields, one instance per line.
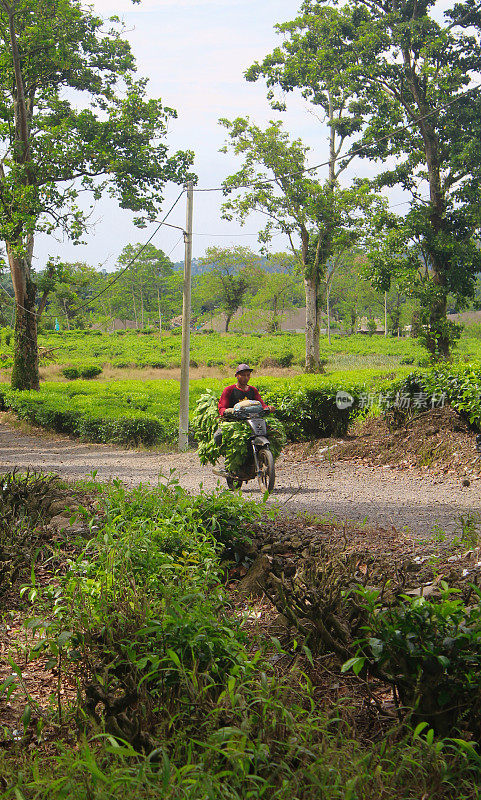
x=411, y=499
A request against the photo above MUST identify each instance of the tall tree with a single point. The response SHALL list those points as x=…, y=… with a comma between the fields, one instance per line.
x=6, y=291
x=145, y=289
x=51, y=52
x=412, y=75
x=278, y=293
x=321, y=217
x=234, y=274
x=311, y=58
x=65, y=291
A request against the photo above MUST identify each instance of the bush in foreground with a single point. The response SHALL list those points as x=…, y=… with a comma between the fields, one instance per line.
x=175, y=701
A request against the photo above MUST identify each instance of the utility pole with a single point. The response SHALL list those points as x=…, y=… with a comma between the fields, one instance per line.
x=385, y=313
x=160, y=314
x=184, y=368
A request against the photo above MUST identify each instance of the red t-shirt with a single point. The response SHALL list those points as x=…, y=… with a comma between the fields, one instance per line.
x=229, y=397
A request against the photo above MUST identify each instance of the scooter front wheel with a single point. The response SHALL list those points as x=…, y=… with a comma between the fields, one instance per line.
x=267, y=470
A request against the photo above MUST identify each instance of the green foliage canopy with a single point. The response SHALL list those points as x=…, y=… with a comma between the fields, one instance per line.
x=112, y=139
x=73, y=118
x=407, y=76
x=234, y=275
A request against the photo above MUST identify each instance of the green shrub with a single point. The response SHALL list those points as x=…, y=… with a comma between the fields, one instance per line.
x=283, y=360
x=175, y=702
x=135, y=412
x=90, y=372
x=310, y=413
x=430, y=651
x=71, y=373
x=79, y=349
x=458, y=385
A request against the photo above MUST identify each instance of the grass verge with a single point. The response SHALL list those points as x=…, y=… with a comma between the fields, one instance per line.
x=176, y=696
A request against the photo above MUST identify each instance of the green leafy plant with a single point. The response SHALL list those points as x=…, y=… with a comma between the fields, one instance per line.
x=71, y=373
x=456, y=384
x=430, y=652
x=90, y=372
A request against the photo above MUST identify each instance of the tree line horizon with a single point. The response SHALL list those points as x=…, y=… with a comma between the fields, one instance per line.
x=225, y=281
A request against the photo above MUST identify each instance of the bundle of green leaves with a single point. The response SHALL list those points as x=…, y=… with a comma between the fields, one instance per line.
x=235, y=435
x=205, y=422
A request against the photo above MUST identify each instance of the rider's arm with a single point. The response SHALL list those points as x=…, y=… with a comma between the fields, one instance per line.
x=224, y=401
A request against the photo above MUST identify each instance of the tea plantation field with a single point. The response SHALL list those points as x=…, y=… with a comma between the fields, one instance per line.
x=129, y=350
x=132, y=396
x=134, y=412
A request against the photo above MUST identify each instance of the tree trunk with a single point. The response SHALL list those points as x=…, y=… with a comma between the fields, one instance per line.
x=25, y=361
x=228, y=318
x=328, y=311
x=312, y=323
x=66, y=315
x=135, y=311
x=437, y=341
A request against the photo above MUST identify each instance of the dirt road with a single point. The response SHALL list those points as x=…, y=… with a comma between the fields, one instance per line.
x=383, y=496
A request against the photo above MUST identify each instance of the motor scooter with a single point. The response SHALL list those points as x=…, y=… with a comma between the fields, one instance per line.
x=260, y=461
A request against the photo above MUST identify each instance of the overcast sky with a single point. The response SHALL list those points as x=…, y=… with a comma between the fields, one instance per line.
x=194, y=53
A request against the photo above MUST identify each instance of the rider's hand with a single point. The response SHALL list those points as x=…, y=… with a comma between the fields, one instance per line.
x=270, y=408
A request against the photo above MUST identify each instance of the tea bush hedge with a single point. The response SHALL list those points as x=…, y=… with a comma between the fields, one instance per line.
x=146, y=412
x=133, y=349
x=460, y=386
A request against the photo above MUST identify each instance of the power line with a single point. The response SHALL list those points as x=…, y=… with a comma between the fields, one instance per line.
x=2, y=287
x=357, y=151
x=176, y=244
x=115, y=279
x=259, y=183
x=232, y=235
x=347, y=156
x=134, y=258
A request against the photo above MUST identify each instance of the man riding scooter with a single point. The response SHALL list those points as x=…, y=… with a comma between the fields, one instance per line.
x=234, y=396
x=240, y=391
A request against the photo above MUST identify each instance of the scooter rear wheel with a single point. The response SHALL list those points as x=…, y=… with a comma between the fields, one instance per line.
x=267, y=469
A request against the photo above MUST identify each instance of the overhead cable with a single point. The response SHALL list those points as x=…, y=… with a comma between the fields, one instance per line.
x=347, y=156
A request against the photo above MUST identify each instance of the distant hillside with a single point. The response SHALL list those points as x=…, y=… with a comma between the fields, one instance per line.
x=199, y=269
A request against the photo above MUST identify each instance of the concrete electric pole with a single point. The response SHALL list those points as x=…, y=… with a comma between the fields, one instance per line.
x=186, y=306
